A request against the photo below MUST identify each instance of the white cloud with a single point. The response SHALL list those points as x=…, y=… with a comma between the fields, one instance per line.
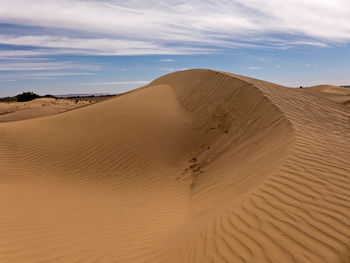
x=311, y=65
x=97, y=46
x=45, y=66
x=167, y=60
x=134, y=27
x=31, y=66
x=255, y=68
x=11, y=54
x=309, y=43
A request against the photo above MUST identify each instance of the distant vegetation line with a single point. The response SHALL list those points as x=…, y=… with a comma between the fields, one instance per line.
x=28, y=96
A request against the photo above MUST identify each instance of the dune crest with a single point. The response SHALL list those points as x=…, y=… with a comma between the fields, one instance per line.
x=198, y=166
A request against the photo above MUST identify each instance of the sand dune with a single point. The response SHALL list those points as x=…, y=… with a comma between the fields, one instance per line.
x=334, y=93
x=198, y=166
x=16, y=111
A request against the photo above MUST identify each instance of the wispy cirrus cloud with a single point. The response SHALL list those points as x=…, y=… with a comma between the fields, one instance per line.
x=167, y=60
x=93, y=46
x=20, y=54
x=45, y=66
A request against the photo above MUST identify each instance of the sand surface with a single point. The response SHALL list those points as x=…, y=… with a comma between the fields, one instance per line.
x=334, y=93
x=199, y=166
x=16, y=111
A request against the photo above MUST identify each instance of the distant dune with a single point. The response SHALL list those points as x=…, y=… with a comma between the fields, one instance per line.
x=198, y=166
x=16, y=111
x=334, y=93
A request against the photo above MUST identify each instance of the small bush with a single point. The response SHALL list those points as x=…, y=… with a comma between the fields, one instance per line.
x=49, y=96
x=27, y=96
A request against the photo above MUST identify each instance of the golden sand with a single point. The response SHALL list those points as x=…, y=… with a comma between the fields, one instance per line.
x=198, y=166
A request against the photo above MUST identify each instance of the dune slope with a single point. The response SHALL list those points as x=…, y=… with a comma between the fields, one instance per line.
x=198, y=166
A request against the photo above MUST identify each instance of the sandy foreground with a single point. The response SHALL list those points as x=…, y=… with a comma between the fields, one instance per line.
x=198, y=166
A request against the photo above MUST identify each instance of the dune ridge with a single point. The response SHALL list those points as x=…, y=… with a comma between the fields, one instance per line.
x=198, y=166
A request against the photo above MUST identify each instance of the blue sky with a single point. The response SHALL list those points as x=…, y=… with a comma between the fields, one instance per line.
x=87, y=46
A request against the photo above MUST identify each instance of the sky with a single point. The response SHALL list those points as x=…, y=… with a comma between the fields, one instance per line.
x=111, y=46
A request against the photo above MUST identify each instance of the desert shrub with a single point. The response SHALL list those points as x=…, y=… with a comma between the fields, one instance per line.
x=49, y=96
x=8, y=99
x=27, y=96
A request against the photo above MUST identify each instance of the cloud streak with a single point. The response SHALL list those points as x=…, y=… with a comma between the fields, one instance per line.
x=94, y=46
x=45, y=66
